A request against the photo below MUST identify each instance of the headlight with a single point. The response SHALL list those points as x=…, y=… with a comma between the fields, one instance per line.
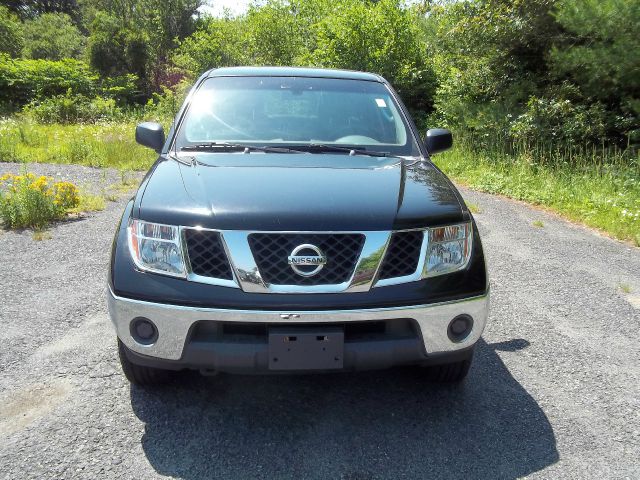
x=448, y=250
x=156, y=248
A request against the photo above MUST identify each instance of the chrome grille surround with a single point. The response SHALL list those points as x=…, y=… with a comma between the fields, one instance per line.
x=271, y=251
x=363, y=276
x=250, y=278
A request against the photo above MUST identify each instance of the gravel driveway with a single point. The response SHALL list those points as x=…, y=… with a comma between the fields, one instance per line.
x=554, y=391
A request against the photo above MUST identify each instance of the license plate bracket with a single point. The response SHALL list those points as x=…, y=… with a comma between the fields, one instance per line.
x=306, y=348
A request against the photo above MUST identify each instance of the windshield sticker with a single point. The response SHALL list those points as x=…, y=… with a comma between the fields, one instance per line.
x=381, y=103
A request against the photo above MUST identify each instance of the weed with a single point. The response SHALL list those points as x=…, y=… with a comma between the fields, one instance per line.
x=110, y=196
x=126, y=179
x=81, y=151
x=121, y=188
x=8, y=151
x=30, y=201
x=625, y=288
x=40, y=235
x=473, y=208
x=538, y=223
x=89, y=203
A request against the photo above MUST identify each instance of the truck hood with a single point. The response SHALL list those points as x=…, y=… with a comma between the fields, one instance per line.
x=312, y=192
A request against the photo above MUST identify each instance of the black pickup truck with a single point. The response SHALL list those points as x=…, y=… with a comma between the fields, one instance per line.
x=294, y=222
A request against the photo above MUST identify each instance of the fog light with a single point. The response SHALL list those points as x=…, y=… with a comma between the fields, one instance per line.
x=143, y=331
x=459, y=328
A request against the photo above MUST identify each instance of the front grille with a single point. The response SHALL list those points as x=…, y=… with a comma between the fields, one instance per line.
x=207, y=255
x=402, y=255
x=271, y=251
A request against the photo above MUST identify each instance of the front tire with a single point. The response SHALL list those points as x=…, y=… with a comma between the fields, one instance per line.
x=454, y=372
x=138, y=374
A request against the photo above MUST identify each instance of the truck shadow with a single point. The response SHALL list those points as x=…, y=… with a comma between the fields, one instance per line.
x=386, y=424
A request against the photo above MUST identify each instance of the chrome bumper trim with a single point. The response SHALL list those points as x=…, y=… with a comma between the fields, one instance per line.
x=174, y=321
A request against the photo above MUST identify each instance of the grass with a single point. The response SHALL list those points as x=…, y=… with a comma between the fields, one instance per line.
x=599, y=190
x=41, y=235
x=626, y=288
x=127, y=184
x=474, y=208
x=90, y=203
x=100, y=145
x=110, y=196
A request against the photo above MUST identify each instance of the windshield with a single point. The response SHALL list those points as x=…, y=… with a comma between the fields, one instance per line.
x=296, y=111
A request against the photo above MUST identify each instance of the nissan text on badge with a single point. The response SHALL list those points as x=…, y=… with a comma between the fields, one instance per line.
x=294, y=222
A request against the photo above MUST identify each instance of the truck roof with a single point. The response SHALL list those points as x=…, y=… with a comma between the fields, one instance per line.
x=292, y=72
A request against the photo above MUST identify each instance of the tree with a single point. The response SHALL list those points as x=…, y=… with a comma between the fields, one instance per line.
x=145, y=30
x=114, y=49
x=33, y=8
x=599, y=54
x=276, y=33
x=166, y=22
x=379, y=37
x=52, y=36
x=490, y=58
x=10, y=33
x=560, y=72
x=219, y=42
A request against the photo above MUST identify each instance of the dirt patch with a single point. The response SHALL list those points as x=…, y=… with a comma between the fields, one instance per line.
x=23, y=407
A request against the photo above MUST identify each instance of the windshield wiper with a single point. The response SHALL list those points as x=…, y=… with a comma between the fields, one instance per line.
x=310, y=148
x=228, y=147
x=321, y=147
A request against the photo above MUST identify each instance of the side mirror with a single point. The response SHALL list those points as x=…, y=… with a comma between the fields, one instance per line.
x=150, y=134
x=438, y=140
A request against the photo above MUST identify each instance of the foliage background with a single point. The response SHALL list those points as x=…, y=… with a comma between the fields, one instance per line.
x=561, y=72
x=533, y=89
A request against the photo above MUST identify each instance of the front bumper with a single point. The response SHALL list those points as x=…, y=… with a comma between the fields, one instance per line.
x=176, y=348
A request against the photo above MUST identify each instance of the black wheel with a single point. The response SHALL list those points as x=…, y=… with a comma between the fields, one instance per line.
x=138, y=374
x=454, y=372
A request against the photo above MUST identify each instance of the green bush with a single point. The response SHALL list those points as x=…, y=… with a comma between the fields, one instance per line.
x=163, y=107
x=123, y=89
x=560, y=122
x=30, y=201
x=554, y=71
x=489, y=59
x=598, y=53
x=52, y=36
x=73, y=109
x=276, y=35
x=23, y=81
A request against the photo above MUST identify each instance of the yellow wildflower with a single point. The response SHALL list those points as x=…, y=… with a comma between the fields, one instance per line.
x=66, y=195
x=41, y=183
